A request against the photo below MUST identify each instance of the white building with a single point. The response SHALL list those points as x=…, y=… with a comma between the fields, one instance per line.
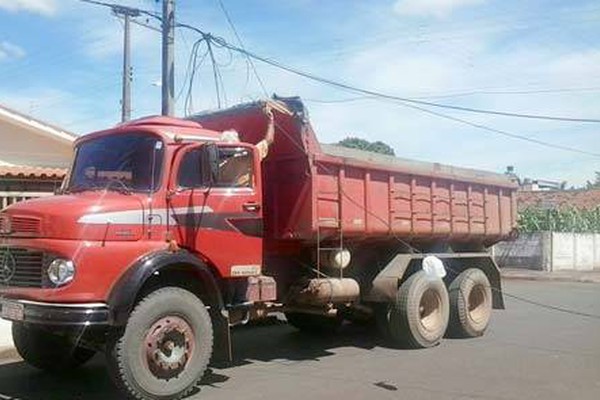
x=34, y=156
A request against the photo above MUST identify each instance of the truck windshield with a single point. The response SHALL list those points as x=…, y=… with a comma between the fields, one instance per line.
x=125, y=161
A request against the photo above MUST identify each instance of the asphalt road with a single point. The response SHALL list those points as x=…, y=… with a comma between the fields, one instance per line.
x=528, y=353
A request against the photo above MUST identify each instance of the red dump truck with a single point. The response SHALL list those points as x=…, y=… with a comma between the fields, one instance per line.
x=151, y=252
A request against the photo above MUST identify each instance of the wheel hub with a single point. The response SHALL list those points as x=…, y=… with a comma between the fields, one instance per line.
x=169, y=345
x=430, y=310
x=477, y=304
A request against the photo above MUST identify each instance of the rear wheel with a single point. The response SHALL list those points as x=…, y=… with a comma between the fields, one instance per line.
x=312, y=323
x=470, y=304
x=419, y=316
x=46, y=350
x=165, y=347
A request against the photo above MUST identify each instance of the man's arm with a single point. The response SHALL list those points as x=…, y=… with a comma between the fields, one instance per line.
x=264, y=144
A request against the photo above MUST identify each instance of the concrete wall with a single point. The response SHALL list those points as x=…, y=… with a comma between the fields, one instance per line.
x=550, y=251
x=529, y=251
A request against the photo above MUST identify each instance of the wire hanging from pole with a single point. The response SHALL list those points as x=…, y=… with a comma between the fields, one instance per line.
x=215, y=72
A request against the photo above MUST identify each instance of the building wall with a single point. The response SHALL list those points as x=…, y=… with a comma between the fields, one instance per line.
x=20, y=146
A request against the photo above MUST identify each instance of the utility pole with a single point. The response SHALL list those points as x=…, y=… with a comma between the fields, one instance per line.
x=127, y=71
x=168, y=59
x=127, y=13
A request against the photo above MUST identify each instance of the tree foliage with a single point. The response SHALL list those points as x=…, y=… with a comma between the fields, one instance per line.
x=560, y=220
x=362, y=144
x=595, y=184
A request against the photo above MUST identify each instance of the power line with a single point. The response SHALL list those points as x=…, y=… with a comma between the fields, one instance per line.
x=474, y=92
x=393, y=97
x=503, y=132
x=241, y=43
x=410, y=103
x=215, y=71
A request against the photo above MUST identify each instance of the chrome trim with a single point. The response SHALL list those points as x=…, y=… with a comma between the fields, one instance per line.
x=66, y=305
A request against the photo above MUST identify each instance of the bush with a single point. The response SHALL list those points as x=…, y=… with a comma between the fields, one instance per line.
x=560, y=220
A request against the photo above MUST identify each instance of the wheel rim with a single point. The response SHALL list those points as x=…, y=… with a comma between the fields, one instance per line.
x=430, y=310
x=168, y=347
x=477, y=304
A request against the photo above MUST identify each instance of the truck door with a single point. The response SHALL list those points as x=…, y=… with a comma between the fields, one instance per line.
x=220, y=219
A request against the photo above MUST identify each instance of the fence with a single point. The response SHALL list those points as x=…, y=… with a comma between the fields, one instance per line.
x=8, y=198
x=550, y=251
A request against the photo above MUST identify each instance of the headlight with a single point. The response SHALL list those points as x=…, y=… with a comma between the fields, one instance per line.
x=61, y=271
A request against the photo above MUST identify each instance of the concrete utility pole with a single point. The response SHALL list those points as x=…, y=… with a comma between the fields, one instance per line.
x=127, y=13
x=127, y=71
x=168, y=58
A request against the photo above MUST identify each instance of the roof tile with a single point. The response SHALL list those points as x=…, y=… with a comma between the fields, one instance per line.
x=28, y=172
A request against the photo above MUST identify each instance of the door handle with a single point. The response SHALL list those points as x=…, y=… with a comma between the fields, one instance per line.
x=251, y=206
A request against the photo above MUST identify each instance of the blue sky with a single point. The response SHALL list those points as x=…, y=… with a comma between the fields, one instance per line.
x=60, y=61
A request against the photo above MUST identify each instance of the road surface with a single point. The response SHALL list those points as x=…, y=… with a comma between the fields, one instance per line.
x=528, y=353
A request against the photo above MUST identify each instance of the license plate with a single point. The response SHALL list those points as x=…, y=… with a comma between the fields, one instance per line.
x=12, y=311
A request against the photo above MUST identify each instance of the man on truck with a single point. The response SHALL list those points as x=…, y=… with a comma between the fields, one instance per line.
x=238, y=169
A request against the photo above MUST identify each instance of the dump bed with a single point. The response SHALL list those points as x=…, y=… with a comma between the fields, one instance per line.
x=313, y=190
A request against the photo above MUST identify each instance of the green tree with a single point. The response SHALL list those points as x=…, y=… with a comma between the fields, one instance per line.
x=595, y=184
x=362, y=144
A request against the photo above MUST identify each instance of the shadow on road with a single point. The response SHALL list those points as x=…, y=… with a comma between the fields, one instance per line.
x=276, y=341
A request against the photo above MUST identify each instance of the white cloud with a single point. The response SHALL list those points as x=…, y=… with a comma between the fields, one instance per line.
x=42, y=7
x=10, y=51
x=436, y=8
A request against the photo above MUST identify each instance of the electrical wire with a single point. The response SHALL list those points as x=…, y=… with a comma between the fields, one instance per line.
x=241, y=43
x=410, y=103
x=393, y=97
x=215, y=72
x=194, y=63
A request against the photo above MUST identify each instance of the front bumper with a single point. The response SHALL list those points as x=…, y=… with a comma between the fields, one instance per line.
x=33, y=312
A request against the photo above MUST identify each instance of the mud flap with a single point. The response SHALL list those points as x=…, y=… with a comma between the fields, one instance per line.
x=222, y=349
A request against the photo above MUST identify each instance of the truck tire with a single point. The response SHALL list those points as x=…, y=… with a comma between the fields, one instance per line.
x=312, y=323
x=418, y=318
x=165, y=347
x=470, y=304
x=47, y=351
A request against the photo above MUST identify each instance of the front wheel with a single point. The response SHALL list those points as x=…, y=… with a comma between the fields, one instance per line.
x=165, y=347
x=47, y=351
x=419, y=315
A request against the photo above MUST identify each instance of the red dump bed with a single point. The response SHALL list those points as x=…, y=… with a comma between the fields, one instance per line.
x=313, y=189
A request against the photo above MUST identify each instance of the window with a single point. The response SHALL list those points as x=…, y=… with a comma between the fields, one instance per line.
x=189, y=175
x=235, y=169
x=132, y=160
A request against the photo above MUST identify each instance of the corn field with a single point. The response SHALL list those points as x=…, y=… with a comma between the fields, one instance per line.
x=560, y=220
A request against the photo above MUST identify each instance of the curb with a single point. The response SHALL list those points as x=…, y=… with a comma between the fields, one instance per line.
x=551, y=278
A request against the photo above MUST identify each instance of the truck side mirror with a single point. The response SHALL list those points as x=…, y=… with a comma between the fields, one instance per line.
x=209, y=163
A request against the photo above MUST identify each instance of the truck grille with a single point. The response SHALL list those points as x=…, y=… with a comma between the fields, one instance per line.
x=4, y=224
x=25, y=225
x=21, y=267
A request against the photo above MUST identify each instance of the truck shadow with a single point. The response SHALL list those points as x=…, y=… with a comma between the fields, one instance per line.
x=274, y=342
